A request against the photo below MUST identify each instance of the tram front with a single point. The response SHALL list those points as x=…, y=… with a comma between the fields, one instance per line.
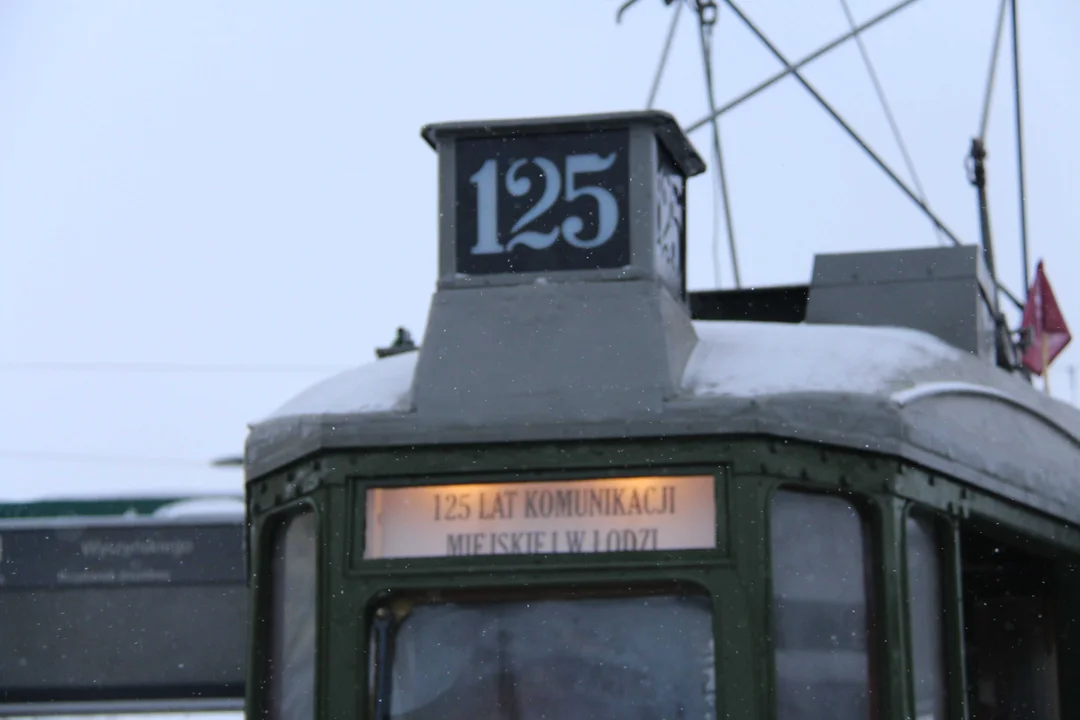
x=509, y=522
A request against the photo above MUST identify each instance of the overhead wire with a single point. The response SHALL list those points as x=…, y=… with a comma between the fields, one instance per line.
x=843, y=123
x=793, y=70
x=880, y=90
x=1012, y=297
x=1020, y=148
x=984, y=122
x=161, y=367
x=664, y=57
x=135, y=367
x=824, y=49
x=708, y=12
x=97, y=459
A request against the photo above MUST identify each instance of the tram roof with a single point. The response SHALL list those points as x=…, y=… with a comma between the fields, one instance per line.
x=894, y=352
x=891, y=390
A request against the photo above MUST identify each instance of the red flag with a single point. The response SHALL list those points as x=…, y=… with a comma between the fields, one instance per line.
x=1047, y=333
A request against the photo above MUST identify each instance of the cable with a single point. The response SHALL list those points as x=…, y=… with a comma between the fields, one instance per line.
x=160, y=367
x=1012, y=298
x=664, y=57
x=1020, y=149
x=888, y=111
x=623, y=8
x=707, y=15
x=91, y=458
x=805, y=61
x=792, y=69
x=843, y=124
x=985, y=122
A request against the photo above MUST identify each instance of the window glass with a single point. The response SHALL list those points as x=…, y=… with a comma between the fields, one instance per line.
x=633, y=658
x=292, y=639
x=821, y=615
x=927, y=621
x=1011, y=637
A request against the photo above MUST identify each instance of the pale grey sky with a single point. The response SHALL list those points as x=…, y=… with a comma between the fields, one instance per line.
x=203, y=184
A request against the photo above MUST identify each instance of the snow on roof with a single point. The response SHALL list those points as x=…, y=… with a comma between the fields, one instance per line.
x=751, y=358
x=203, y=507
x=380, y=386
x=731, y=359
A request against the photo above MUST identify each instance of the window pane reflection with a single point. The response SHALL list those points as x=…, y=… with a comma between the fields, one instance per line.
x=292, y=642
x=821, y=618
x=927, y=620
x=633, y=658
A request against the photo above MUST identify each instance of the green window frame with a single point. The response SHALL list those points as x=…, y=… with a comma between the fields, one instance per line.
x=823, y=608
x=292, y=601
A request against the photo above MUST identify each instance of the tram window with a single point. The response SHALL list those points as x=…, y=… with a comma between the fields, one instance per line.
x=1009, y=635
x=629, y=657
x=927, y=619
x=822, y=617
x=293, y=601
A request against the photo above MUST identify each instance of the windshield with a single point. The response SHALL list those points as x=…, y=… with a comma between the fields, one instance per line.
x=627, y=657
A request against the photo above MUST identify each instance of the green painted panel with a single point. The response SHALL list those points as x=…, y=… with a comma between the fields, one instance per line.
x=736, y=573
x=91, y=508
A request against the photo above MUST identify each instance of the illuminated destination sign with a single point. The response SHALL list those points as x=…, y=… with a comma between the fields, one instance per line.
x=539, y=518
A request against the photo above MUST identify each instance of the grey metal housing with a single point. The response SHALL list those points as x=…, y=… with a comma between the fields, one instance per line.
x=944, y=291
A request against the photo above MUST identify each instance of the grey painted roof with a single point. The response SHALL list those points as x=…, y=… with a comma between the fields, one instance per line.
x=663, y=124
x=896, y=391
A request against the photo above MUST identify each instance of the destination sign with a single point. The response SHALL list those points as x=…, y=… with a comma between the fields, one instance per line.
x=539, y=518
x=86, y=555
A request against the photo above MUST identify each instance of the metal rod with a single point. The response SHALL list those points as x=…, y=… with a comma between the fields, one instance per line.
x=1012, y=298
x=664, y=57
x=985, y=122
x=978, y=179
x=805, y=61
x=1045, y=362
x=623, y=8
x=706, y=53
x=1002, y=343
x=230, y=461
x=383, y=626
x=836, y=116
x=893, y=124
x=1020, y=148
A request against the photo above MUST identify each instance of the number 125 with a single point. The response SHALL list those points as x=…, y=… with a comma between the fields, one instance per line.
x=487, y=223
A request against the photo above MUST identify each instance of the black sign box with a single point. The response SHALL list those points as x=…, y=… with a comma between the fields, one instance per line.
x=540, y=203
x=59, y=557
x=122, y=614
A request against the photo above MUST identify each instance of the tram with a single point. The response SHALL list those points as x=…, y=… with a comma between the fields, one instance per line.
x=590, y=493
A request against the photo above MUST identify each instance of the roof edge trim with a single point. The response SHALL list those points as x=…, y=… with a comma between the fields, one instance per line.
x=928, y=390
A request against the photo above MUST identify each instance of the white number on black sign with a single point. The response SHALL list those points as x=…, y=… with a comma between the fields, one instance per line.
x=487, y=221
